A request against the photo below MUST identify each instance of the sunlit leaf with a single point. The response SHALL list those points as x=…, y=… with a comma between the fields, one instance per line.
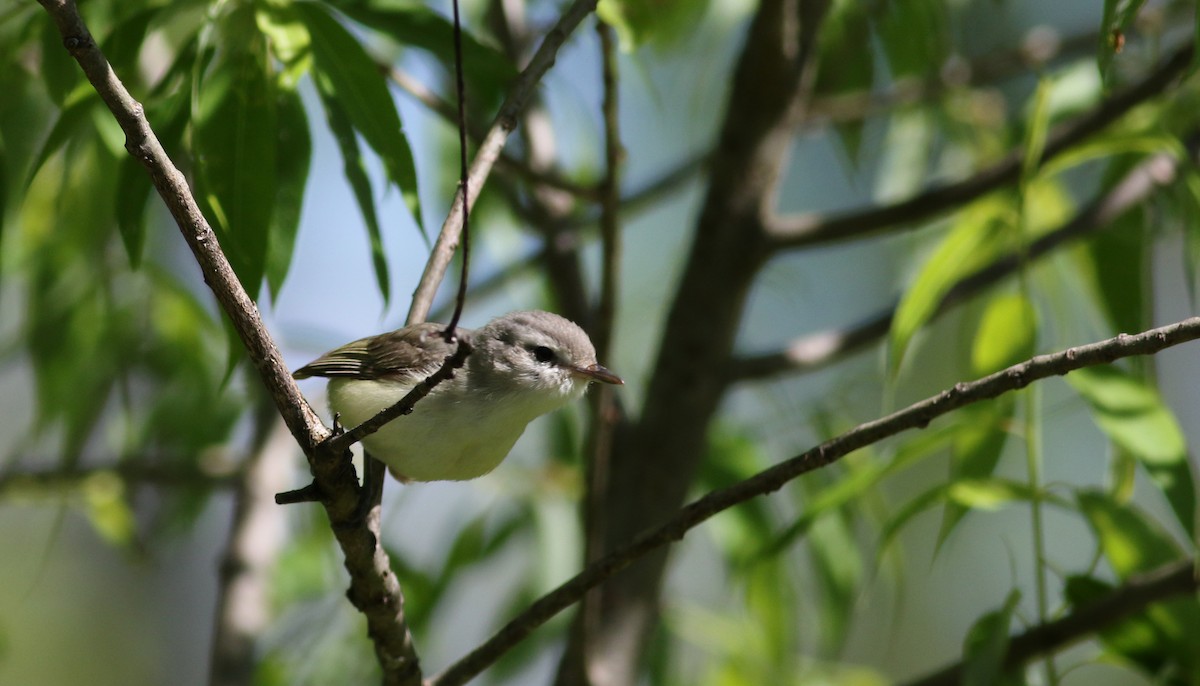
x=915, y=35
x=980, y=235
x=1037, y=127
x=640, y=22
x=412, y=23
x=108, y=510
x=1007, y=334
x=353, y=78
x=1135, y=417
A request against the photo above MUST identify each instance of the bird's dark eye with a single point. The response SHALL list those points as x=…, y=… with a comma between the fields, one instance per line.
x=543, y=354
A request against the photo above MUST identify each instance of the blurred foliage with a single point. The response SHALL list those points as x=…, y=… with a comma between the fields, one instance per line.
x=129, y=363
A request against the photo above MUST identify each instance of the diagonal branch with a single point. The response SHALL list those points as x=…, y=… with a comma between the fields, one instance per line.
x=800, y=231
x=915, y=416
x=374, y=590
x=489, y=151
x=815, y=351
x=1125, y=601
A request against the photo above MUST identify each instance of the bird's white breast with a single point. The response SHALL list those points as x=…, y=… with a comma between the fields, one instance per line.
x=451, y=435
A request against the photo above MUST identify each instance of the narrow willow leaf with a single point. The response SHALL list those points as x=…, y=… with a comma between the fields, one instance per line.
x=73, y=118
x=1119, y=16
x=133, y=190
x=1037, y=128
x=236, y=146
x=1007, y=334
x=978, y=237
x=836, y=556
x=354, y=80
x=1131, y=541
x=356, y=175
x=411, y=23
x=647, y=22
x=844, y=65
x=986, y=643
x=1119, y=270
x=293, y=160
x=981, y=433
x=1135, y=417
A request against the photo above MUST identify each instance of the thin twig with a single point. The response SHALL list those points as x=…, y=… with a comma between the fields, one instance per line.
x=463, y=180
x=789, y=233
x=1132, y=597
x=815, y=351
x=489, y=150
x=915, y=416
x=165, y=473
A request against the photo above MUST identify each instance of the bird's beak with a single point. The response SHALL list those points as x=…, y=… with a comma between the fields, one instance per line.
x=597, y=373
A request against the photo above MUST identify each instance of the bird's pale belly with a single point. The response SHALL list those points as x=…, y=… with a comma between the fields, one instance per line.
x=441, y=440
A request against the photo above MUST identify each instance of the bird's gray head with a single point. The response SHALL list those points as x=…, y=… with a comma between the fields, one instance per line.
x=536, y=352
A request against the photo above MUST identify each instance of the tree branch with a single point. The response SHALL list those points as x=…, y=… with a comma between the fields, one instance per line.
x=1126, y=600
x=788, y=233
x=812, y=352
x=167, y=474
x=489, y=150
x=373, y=588
x=915, y=416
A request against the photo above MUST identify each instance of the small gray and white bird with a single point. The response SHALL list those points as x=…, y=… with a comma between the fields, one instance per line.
x=522, y=365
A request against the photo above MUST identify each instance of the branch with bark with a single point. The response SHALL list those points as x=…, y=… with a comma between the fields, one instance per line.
x=916, y=416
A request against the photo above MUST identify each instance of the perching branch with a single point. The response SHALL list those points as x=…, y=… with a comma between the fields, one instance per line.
x=373, y=588
x=799, y=231
x=814, y=351
x=1132, y=597
x=489, y=150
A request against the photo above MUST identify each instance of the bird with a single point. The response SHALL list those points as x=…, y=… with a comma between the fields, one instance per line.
x=522, y=365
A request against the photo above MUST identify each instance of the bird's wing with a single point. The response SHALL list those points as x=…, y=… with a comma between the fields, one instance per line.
x=403, y=353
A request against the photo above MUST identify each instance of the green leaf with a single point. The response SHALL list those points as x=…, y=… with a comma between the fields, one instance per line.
x=641, y=22
x=353, y=78
x=1037, y=128
x=1137, y=639
x=1134, y=416
x=72, y=119
x=293, y=160
x=108, y=509
x=986, y=644
x=133, y=190
x=1132, y=542
x=915, y=35
x=1119, y=15
x=356, y=175
x=235, y=143
x=411, y=23
x=844, y=66
x=982, y=232
x=1007, y=334
x=981, y=431
x=836, y=556
x=1116, y=263
x=1135, y=544
x=59, y=71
